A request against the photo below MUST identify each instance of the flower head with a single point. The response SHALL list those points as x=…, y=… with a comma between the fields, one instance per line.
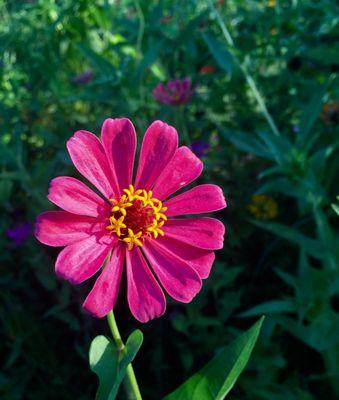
x=263, y=207
x=133, y=226
x=176, y=92
x=20, y=233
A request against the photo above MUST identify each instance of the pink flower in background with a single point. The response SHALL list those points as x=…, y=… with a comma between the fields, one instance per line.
x=176, y=92
x=134, y=226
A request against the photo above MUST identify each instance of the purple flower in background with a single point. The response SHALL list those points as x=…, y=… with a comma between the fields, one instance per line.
x=200, y=148
x=20, y=233
x=176, y=92
x=83, y=78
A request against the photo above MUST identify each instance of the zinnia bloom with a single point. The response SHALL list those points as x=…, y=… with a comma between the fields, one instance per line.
x=134, y=224
x=176, y=92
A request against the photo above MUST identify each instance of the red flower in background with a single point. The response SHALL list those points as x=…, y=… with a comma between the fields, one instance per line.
x=207, y=69
x=176, y=92
x=133, y=224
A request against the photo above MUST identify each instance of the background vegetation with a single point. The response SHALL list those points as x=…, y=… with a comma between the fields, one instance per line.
x=66, y=65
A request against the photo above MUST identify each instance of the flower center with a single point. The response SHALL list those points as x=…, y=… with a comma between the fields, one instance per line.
x=135, y=215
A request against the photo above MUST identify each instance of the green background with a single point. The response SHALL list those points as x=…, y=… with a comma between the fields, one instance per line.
x=286, y=268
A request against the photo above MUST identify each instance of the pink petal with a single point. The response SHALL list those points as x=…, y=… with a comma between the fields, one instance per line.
x=60, y=228
x=184, y=168
x=101, y=299
x=145, y=298
x=200, y=260
x=176, y=276
x=119, y=140
x=88, y=156
x=200, y=199
x=206, y=233
x=158, y=147
x=78, y=262
x=74, y=196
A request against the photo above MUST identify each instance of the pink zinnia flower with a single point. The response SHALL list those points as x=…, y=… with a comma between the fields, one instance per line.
x=176, y=92
x=133, y=225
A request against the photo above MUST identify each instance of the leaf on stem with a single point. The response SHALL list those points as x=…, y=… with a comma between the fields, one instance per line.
x=110, y=364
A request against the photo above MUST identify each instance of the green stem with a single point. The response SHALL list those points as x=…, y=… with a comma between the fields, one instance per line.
x=250, y=81
x=130, y=381
x=141, y=28
x=180, y=123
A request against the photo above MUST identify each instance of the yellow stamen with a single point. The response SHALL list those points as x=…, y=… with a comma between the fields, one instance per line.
x=133, y=239
x=117, y=225
x=155, y=228
x=132, y=193
x=120, y=205
x=122, y=223
x=147, y=198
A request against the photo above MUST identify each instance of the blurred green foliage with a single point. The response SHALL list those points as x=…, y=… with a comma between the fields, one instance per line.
x=286, y=268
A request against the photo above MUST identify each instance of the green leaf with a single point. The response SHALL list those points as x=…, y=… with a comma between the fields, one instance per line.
x=246, y=142
x=131, y=349
x=275, y=170
x=325, y=325
x=103, y=361
x=110, y=365
x=335, y=207
x=216, y=378
x=328, y=238
x=278, y=146
x=283, y=185
x=98, y=62
x=185, y=35
x=219, y=51
x=311, y=246
x=148, y=59
x=287, y=278
x=270, y=307
x=310, y=114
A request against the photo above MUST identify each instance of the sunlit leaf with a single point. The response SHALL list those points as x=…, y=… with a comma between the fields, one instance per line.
x=216, y=379
x=110, y=364
x=103, y=360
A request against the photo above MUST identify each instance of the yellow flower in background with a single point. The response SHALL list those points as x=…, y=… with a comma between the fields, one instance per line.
x=263, y=206
x=271, y=3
